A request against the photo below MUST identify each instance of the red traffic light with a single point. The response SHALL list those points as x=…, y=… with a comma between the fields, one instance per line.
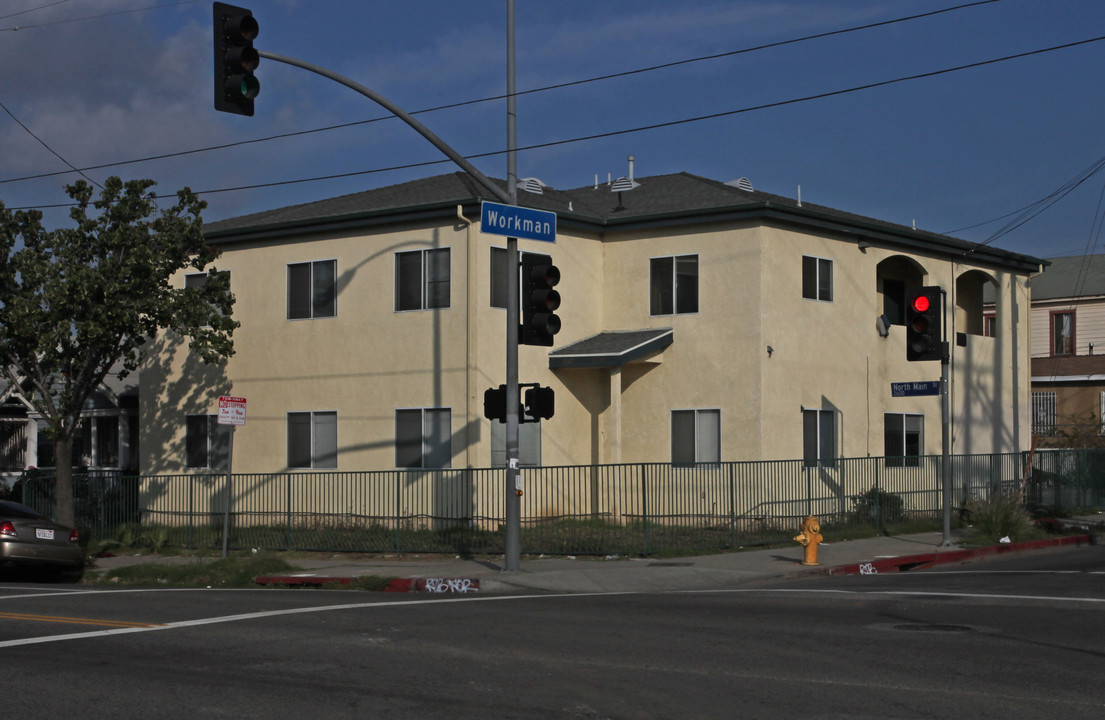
x=921, y=303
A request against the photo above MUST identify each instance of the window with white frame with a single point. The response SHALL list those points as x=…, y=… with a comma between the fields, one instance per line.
x=423, y=438
x=206, y=442
x=818, y=437
x=673, y=285
x=422, y=279
x=817, y=278
x=1043, y=412
x=313, y=439
x=903, y=439
x=695, y=436
x=1062, y=333
x=312, y=290
x=529, y=444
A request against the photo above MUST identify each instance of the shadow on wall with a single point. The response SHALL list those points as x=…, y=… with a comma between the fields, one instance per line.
x=169, y=397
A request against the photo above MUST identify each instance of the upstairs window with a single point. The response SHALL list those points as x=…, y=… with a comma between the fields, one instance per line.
x=312, y=290
x=817, y=278
x=422, y=279
x=1062, y=333
x=673, y=285
x=500, y=277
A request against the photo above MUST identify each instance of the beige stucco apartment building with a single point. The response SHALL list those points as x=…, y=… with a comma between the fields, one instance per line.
x=702, y=321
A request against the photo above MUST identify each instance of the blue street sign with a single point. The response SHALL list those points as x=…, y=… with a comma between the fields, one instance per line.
x=913, y=389
x=517, y=222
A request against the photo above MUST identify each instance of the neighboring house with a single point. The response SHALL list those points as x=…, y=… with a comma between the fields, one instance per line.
x=1068, y=352
x=702, y=322
x=107, y=439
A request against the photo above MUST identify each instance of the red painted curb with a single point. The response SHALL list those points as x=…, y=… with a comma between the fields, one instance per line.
x=911, y=562
x=434, y=585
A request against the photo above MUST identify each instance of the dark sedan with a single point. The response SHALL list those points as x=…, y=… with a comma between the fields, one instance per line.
x=29, y=541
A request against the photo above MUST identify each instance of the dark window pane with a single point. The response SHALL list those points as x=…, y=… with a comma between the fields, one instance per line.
x=437, y=278
x=408, y=438
x=325, y=301
x=408, y=281
x=107, y=441
x=299, y=440
x=828, y=437
x=809, y=277
x=195, y=441
x=825, y=280
x=809, y=437
x=682, y=437
x=686, y=284
x=299, y=291
x=219, y=446
x=439, y=441
x=893, y=301
x=660, y=282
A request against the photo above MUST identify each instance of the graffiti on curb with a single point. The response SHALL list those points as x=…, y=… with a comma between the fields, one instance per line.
x=456, y=585
x=868, y=569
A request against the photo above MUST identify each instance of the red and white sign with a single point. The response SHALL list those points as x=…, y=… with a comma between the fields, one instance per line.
x=232, y=410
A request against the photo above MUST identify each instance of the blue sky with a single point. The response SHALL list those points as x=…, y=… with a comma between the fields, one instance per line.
x=108, y=81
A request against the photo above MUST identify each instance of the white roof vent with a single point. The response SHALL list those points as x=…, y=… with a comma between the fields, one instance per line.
x=531, y=185
x=624, y=184
x=742, y=184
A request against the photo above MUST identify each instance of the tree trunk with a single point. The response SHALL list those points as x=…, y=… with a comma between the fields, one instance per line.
x=63, y=481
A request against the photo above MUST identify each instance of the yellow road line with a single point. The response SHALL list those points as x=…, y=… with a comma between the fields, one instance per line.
x=77, y=621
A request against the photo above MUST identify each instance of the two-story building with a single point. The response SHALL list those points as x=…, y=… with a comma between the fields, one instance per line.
x=702, y=321
x=1068, y=352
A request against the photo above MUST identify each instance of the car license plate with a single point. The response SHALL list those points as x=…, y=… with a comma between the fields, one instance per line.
x=44, y=533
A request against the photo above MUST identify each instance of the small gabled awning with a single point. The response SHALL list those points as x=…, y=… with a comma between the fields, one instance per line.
x=611, y=349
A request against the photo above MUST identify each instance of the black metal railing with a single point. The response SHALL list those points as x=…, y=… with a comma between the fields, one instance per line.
x=630, y=509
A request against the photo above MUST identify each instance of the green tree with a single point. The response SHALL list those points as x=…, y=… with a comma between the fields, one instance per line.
x=77, y=303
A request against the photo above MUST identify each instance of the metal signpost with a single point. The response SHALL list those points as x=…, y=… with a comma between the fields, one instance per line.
x=232, y=412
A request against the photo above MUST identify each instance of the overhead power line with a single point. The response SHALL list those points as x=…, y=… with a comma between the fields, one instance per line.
x=493, y=98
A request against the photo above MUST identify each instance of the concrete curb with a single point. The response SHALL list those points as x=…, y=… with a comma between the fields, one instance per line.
x=432, y=585
x=947, y=557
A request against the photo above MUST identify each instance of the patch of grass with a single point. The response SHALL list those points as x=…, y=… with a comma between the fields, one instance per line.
x=1001, y=516
x=230, y=572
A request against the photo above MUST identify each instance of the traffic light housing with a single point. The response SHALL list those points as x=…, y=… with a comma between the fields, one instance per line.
x=539, y=403
x=539, y=301
x=923, y=314
x=494, y=403
x=235, y=59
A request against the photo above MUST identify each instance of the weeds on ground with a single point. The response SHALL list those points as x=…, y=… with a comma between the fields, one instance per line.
x=1001, y=516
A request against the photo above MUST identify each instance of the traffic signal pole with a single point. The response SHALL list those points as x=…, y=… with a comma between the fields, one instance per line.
x=513, y=536
x=513, y=478
x=945, y=429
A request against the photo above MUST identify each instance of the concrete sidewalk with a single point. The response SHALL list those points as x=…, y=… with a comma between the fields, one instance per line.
x=582, y=575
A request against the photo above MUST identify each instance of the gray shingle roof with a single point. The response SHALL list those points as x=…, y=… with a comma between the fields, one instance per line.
x=678, y=198
x=1068, y=277
x=611, y=348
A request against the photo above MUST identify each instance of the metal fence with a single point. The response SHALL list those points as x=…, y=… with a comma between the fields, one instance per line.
x=631, y=509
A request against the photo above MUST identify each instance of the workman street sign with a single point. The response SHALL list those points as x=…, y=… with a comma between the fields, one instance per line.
x=914, y=389
x=517, y=222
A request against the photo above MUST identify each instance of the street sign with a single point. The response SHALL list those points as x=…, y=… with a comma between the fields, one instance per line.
x=232, y=410
x=915, y=389
x=517, y=222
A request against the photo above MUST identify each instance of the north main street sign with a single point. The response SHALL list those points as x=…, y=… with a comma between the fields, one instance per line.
x=913, y=389
x=517, y=222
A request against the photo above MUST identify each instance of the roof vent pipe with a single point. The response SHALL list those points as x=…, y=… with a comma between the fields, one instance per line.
x=631, y=160
x=799, y=196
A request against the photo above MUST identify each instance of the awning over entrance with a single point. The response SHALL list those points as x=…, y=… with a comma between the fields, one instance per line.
x=611, y=349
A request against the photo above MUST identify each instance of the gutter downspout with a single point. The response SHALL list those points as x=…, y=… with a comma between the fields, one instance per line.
x=470, y=345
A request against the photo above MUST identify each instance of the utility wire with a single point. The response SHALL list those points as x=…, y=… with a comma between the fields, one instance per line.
x=493, y=98
x=30, y=10
x=43, y=144
x=132, y=11
x=701, y=118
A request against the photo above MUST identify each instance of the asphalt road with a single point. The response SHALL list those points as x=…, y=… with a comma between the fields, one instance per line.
x=1019, y=637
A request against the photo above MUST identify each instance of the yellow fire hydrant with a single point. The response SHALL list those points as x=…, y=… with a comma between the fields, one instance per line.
x=810, y=538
